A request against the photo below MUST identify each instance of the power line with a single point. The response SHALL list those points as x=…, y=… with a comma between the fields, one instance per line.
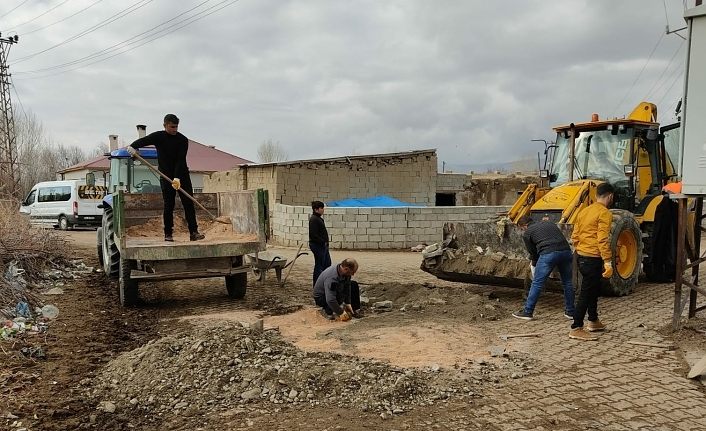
x=671, y=77
x=63, y=19
x=129, y=41
x=123, y=13
x=671, y=60
x=13, y=9
x=165, y=32
x=38, y=16
x=670, y=87
x=14, y=88
x=661, y=36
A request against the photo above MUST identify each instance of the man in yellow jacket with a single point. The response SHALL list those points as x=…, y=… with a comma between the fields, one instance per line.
x=591, y=240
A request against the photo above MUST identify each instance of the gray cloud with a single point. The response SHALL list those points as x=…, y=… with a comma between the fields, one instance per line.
x=475, y=79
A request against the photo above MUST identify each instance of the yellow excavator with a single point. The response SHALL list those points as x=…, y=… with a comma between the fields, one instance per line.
x=633, y=153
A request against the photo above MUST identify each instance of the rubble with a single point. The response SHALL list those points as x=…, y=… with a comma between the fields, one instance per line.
x=227, y=366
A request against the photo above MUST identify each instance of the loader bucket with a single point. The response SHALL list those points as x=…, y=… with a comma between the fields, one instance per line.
x=481, y=253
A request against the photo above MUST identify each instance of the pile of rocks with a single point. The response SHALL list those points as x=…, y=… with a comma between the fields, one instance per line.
x=226, y=367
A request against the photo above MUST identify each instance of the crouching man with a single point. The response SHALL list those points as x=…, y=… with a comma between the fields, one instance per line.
x=335, y=292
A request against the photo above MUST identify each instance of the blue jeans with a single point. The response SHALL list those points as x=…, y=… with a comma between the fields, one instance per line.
x=322, y=259
x=545, y=265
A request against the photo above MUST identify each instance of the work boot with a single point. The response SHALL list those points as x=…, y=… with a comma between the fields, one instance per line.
x=326, y=315
x=581, y=334
x=169, y=238
x=357, y=314
x=522, y=314
x=595, y=326
x=195, y=236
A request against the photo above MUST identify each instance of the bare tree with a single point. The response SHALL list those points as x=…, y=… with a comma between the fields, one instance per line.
x=270, y=151
x=39, y=157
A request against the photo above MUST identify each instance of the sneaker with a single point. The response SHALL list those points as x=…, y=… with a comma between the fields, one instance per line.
x=168, y=238
x=522, y=314
x=568, y=315
x=581, y=334
x=595, y=326
x=195, y=236
x=326, y=315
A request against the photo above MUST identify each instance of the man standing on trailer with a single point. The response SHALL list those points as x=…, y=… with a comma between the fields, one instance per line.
x=172, y=147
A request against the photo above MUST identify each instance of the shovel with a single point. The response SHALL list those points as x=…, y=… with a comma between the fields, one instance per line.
x=222, y=219
x=508, y=336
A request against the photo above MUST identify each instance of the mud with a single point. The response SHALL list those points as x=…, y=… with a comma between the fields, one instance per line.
x=212, y=229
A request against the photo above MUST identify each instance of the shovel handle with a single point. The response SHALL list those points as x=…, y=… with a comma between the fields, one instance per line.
x=158, y=172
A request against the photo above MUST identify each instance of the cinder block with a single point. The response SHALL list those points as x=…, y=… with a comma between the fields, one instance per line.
x=396, y=245
x=348, y=245
x=386, y=231
x=353, y=224
x=372, y=231
x=387, y=238
x=374, y=217
x=376, y=224
x=388, y=224
x=386, y=217
x=364, y=211
x=375, y=238
x=364, y=224
x=361, y=217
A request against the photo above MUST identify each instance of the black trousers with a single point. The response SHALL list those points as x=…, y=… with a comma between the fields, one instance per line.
x=322, y=259
x=169, y=196
x=591, y=269
x=340, y=297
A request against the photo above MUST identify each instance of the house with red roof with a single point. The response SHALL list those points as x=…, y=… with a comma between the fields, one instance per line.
x=203, y=160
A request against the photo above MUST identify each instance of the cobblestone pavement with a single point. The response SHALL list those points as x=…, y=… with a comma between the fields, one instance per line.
x=607, y=384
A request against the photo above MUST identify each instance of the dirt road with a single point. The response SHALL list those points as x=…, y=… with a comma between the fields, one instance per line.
x=433, y=360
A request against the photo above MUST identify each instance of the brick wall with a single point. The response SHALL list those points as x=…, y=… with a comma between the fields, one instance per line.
x=375, y=228
x=451, y=183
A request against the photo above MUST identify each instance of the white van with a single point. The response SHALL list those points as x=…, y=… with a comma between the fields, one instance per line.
x=64, y=204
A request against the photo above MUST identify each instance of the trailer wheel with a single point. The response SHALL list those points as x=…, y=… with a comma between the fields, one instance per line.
x=236, y=285
x=99, y=245
x=626, y=244
x=111, y=254
x=128, y=287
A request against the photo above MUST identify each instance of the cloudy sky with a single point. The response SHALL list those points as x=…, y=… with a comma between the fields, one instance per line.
x=474, y=79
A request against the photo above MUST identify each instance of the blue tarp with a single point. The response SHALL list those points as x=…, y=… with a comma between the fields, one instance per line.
x=375, y=201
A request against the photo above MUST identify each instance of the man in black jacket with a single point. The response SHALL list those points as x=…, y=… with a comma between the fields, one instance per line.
x=172, y=147
x=318, y=239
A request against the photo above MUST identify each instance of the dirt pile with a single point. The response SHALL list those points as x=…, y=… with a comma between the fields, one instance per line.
x=218, y=368
x=153, y=228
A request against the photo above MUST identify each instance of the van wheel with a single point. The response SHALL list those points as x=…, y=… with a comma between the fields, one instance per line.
x=63, y=223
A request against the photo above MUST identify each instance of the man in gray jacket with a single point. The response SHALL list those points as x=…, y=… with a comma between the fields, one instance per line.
x=335, y=292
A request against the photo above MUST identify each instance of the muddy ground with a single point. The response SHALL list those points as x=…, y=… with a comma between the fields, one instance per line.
x=188, y=359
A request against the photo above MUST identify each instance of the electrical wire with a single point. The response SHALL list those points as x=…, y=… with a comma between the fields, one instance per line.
x=638, y=75
x=63, y=19
x=38, y=16
x=223, y=4
x=123, y=13
x=115, y=47
x=13, y=9
x=671, y=60
x=14, y=88
x=676, y=79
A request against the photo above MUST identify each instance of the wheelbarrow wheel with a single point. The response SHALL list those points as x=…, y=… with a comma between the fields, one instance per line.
x=236, y=285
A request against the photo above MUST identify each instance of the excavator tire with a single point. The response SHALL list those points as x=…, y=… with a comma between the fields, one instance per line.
x=626, y=244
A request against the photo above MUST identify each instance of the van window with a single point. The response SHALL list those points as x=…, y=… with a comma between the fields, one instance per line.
x=55, y=194
x=30, y=198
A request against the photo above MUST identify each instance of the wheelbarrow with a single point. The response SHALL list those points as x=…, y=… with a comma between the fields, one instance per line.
x=262, y=262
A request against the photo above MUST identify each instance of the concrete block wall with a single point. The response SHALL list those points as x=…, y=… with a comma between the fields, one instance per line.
x=407, y=178
x=451, y=183
x=375, y=228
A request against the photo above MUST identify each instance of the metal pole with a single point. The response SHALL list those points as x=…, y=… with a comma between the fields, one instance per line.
x=572, y=152
x=697, y=252
x=681, y=234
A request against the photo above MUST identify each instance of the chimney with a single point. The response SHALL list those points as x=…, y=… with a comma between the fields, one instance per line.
x=141, y=130
x=113, y=142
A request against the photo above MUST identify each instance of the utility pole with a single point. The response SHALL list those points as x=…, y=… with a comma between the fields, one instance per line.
x=9, y=164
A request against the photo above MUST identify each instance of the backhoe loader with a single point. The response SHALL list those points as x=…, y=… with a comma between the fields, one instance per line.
x=632, y=153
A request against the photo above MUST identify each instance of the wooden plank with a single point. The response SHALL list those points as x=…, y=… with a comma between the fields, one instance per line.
x=699, y=289
x=642, y=343
x=189, y=251
x=143, y=276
